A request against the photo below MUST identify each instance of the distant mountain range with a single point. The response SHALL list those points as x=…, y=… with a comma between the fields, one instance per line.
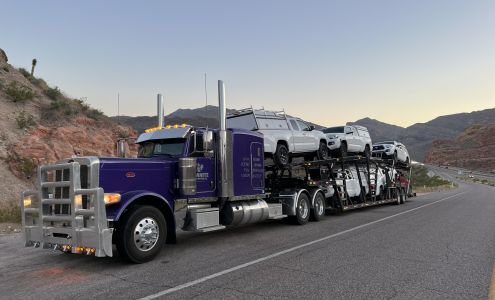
x=418, y=137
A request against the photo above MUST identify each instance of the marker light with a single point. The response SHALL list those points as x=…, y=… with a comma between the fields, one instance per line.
x=78, y=200
x=153, y=129
x=111, y=198
x=27, y=201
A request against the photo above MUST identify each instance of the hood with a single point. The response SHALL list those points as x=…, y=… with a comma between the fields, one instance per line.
x=334, y=135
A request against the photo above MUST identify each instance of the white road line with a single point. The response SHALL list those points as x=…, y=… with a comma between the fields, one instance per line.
x=253, y=262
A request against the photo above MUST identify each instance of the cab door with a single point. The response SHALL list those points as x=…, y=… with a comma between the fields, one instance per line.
x=297, y=136
x=307, y=138
x=205, y=167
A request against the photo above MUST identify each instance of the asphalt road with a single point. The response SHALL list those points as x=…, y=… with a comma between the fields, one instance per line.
x=439, y=245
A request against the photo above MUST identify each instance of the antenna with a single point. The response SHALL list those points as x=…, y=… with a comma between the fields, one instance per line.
x=206, y=107
x=118, y=108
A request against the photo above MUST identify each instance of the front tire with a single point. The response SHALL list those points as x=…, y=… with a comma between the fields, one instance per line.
x=281, y=156
x=141, y=234
x=322, y=152
x=343, y=149
x=367, y=152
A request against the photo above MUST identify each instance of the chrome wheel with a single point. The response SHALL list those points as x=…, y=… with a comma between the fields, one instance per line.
x=284, y=156
x=319, y=207
x=303, y=209
x=146, y=234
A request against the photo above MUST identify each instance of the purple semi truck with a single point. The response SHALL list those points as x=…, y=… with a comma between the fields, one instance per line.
x=185, y=178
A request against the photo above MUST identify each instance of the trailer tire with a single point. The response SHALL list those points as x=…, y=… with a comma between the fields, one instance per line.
x=403, y=197
x=318, y=210
x=141, y=234
x=302, y=210
x=396, y=195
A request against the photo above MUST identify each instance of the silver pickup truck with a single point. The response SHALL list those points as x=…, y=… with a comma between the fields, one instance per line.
x=284, y=136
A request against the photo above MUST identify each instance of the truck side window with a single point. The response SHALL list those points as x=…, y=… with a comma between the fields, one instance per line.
x=196, y=149
x=303, y=126
x=294, y=125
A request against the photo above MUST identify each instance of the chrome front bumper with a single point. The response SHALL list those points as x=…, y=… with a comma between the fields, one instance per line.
x=62, y=215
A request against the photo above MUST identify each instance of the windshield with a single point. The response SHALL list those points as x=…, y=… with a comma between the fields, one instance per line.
x=168, y=147
x=338, y=129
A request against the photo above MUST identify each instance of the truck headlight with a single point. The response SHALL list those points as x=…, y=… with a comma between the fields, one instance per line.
x=111, y=198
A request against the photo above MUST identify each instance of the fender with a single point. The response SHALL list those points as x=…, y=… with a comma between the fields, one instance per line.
x=131, y=197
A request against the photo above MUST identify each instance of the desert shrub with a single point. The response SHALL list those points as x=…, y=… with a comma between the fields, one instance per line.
x=419, y=177
x=19, y=92
x=94, y=113
x=10, y=212
x=25, y=73
x=24, y=120
x=26, y=167
x=69, y=112
x=53, y=93
x=58, y=104
x=84, y=107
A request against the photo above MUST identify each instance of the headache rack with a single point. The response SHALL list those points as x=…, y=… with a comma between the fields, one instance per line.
x=67, y=212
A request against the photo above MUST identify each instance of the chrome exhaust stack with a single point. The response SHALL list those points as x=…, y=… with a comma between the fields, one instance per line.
x=222, y=144
x=160, y=111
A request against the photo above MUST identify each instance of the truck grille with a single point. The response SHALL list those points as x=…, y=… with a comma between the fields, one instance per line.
x=68, y=210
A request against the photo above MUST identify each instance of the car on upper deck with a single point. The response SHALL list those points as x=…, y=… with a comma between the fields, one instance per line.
x=392, y=150
x=284, y=137
x=348, y=139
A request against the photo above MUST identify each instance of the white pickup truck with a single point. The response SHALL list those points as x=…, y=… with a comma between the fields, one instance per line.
x=352, y=181
x=284, y=137
x=350, y=138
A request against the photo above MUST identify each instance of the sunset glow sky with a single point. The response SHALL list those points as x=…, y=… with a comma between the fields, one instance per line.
x=329, y=62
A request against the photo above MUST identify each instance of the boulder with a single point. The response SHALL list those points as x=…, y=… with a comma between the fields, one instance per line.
x=3, y=56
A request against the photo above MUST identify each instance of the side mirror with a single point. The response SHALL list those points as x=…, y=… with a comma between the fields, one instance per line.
x=207, y=140
x=311, y=128
x=121, y=149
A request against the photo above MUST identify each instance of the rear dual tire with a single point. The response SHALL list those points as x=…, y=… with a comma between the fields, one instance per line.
x=318, y=210
x=302, y=210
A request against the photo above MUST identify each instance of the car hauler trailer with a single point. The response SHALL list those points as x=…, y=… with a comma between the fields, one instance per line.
x=192, y=179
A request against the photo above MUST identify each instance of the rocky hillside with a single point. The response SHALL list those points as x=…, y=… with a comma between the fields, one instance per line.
x=419, y=137
x=474, y=148
x=39, y=124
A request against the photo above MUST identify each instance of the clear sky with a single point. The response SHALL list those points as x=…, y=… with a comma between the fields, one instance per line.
x=329, y=62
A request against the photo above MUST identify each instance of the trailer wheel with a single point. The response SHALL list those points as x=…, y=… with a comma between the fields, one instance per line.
x=281, y=156
x=302, y=210
x=318, y=210
x=403, y=197
x=142, y=234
